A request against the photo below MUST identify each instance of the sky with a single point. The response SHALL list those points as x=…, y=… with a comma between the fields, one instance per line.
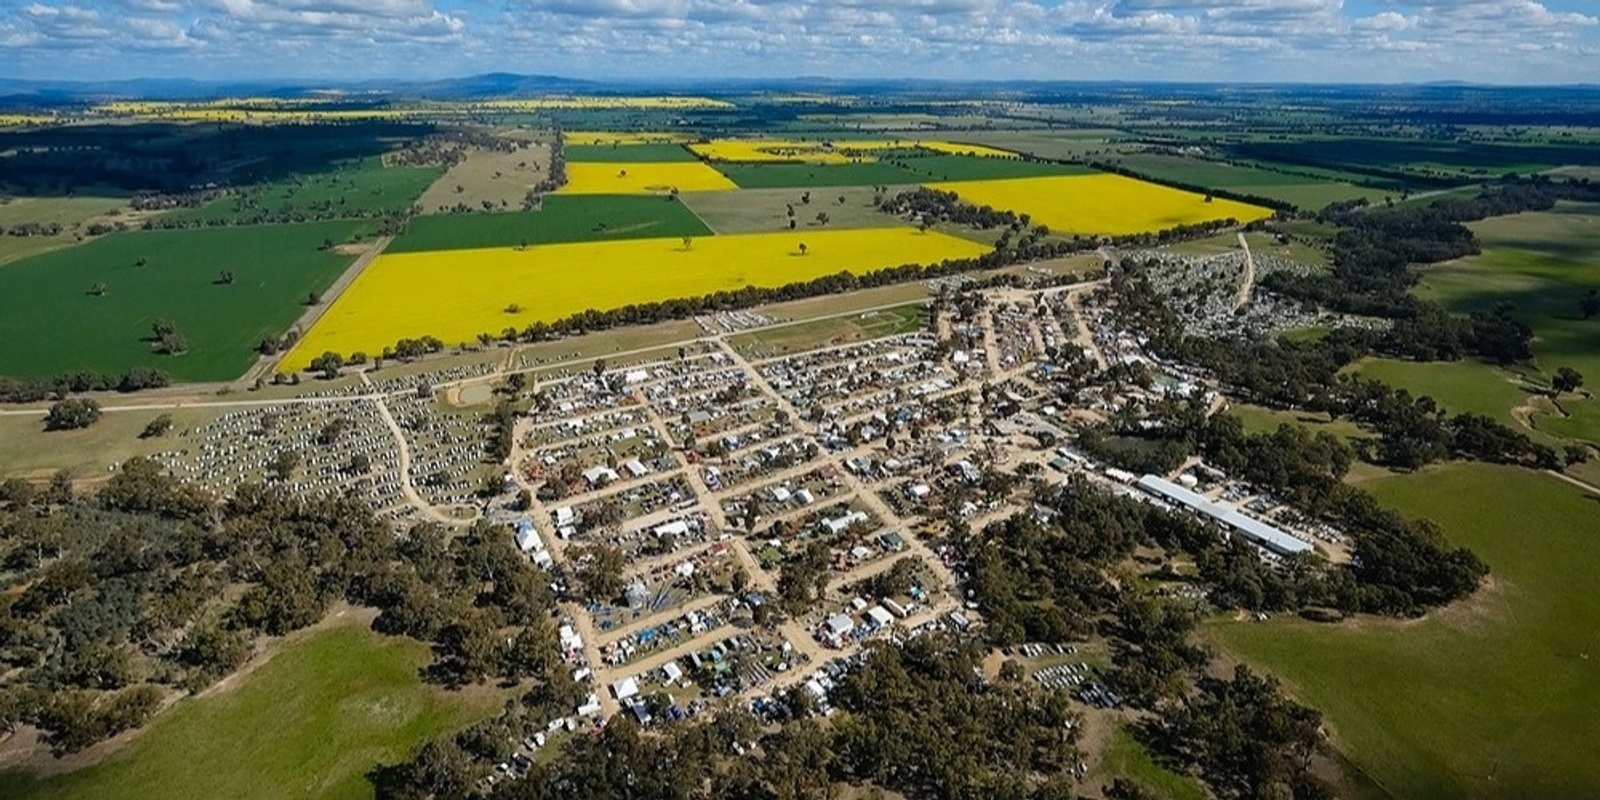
x=1488, y=41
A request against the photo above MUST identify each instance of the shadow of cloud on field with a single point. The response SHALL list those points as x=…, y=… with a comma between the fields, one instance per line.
x=89, y=160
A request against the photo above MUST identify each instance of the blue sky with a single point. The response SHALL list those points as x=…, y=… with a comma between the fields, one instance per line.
x=1496, y=41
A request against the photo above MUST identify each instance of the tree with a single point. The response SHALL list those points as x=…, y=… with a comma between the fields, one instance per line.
x=72, y=414
x=99, y=289
x=822, y=218
x=688, y=242
x=17, y=492
x=802, y=248
x=1589, y=306
x=284, y=464
x=172, y=344
x=158, y=427
x=226, y=277
x=1566, y=380
x=601, y=572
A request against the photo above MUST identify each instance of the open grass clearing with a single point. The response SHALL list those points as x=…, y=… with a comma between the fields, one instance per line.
x=52, y=324
x=595, y=177
x=1542, y=263
x=499, y=178
x=1286, y=186
x=559, y=218
x=832, y=331
x=1262, y=243
x=399, y=295
x=1462, y=387
x=1122, y=756
x=332, y=703
x=73, y=214
x=27, y=450
x=767, y=210
x=1260, y=419
x=1100, y=204
x=1496, y=696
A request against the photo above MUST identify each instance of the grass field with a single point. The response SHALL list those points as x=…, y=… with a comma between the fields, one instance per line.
x=1100, y=204
x=1463, y=387
x=561, y=218
x=499, y=177
x=817, y=176
x=52, y=324
x=625, y=153
x=1466, y=159
x=596, y=177
x=28, y=450
x=827, y=150
x=329, y=706
x=400, y=295
x=1542, y=263
x=1259, y=419
x=356, y=187
x=1262, y=243
x=1125, y=757
x=766, y=210
x=831, y=331
x=1497, y=696
x=571, y=138
x=1305, y=192
x=71, y=213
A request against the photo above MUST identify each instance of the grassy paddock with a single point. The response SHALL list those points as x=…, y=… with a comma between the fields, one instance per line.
x=831, y=331
x=766, y=210
x=332, y=704
x=353, y=188
x=51, y=323
x=561, y=218
x=1496, y=696
x=28, y=450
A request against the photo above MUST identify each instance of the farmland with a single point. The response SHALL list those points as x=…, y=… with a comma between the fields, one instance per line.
x=560, y=218
x=310, y=722
x=1100, y=204
x=395, y=297
x=1496, y=697
x=488, y=178
x=831, y=151
x=54, y=324
x=71, y=213
x=1289, y=187
x=352, y=189
x=903, y=168
x=765, y=210
x=626, y=153
x=603, y=177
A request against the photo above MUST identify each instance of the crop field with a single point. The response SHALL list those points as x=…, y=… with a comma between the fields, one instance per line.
x=1301, y=190
x=766, y=210
x=817, y=176
x=828, y=151
x=355, y=188
x=52, y=324
x=571, y=138
x=1100, y=204
x=399, y=295
x=1542, y=263
x=496, y=177
x=1496, y=696
x=626, y=153
x=560, y=218
x=643, y=178
x=310, y=722
x=1437, y=157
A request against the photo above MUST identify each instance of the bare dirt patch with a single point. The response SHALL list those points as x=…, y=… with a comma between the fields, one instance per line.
x=488, y=180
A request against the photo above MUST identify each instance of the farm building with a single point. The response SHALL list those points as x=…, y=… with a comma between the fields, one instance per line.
x=1253, y=529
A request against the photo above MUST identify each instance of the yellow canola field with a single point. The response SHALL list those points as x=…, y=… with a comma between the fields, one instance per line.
x=844, y=151
x=653, y=177
x=628, y=137
x=457, y=294
x=1100, y=204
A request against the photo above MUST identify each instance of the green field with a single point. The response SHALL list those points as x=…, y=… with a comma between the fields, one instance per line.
x=766, y=210
x=53, y=325
x=1449, y=158
x=977, y=168
x=1542, y=263
x=1301, y=190
x=69, y=212
x=329, y=706
x=626, y=153
x=831, y=331
x=1125, y=757
x=562, y=218
x=816, y=176
x=1463, y=387
x=354, y=189
x=1497, y=696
